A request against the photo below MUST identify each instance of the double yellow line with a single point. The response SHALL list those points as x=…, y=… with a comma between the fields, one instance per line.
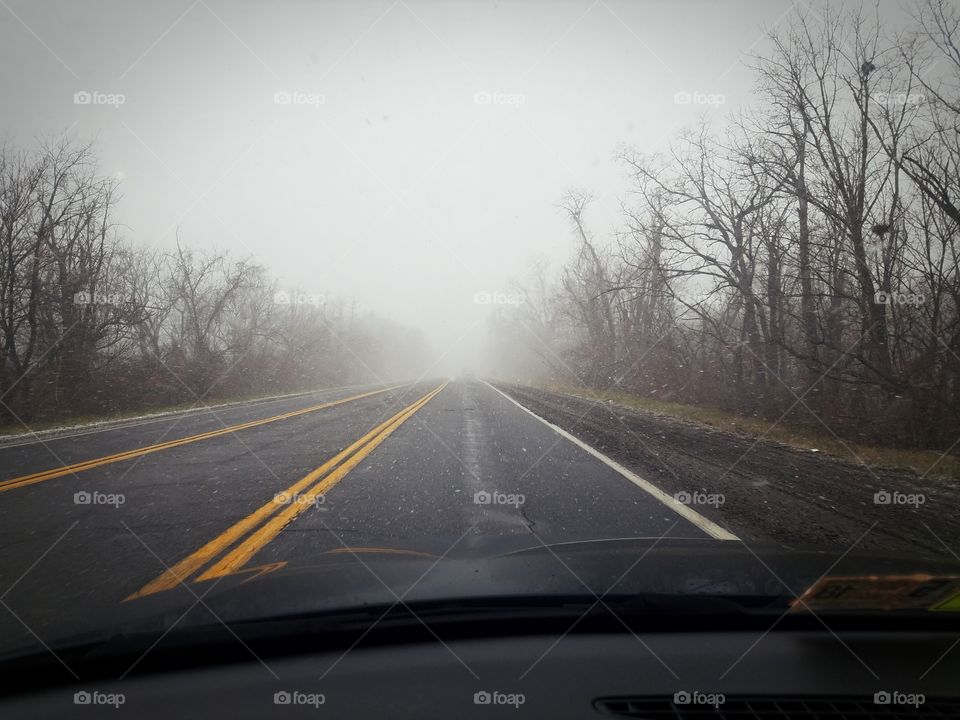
x=234, y=547
x=44, y=475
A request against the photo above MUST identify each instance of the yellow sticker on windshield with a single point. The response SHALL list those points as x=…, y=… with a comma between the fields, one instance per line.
x=950, y=605
x=881, y=592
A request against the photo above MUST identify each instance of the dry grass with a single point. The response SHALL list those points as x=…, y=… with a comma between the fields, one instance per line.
x=923, y=462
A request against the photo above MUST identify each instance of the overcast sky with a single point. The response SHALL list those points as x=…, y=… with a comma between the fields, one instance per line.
x=424, y=146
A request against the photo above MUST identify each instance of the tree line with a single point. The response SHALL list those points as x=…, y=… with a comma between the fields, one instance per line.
x=91, y=323
x=797, y=259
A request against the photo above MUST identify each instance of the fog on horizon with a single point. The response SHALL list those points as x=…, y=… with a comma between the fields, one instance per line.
x=408, y=157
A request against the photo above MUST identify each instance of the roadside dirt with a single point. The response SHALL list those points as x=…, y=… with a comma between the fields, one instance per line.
x=771, y=492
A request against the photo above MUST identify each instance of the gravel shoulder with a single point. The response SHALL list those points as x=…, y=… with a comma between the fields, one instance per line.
x=771, y=493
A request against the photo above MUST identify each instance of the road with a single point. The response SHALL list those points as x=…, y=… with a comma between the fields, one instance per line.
x=96, y=517
x=769, y=493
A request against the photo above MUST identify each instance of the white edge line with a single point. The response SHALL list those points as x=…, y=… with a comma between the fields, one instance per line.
x=705, y=524
x=99, y=426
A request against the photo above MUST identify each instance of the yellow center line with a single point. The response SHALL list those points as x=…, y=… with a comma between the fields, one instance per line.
x=44, y=475
x=240, y=555
x=193, y=562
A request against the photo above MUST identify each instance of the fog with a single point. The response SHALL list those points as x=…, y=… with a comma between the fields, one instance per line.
x=744, y=206
x=425, y=147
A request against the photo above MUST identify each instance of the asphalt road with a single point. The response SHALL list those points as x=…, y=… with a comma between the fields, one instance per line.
x=772, y=494
x=92, y=518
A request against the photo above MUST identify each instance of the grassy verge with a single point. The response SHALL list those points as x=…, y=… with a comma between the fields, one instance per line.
x=918, y=461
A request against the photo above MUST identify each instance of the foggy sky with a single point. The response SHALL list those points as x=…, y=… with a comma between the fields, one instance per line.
x=427, y=152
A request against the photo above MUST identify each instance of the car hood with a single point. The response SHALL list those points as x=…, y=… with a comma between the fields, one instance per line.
x=347, y=578
x=505, y=572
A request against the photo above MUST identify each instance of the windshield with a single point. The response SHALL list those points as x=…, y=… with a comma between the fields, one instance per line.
x=322, y=306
